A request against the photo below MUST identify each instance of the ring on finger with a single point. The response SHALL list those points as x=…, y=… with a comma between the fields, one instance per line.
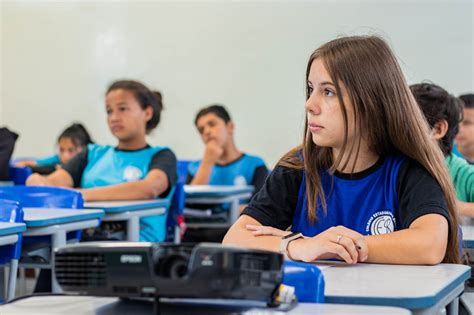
x=339, y=236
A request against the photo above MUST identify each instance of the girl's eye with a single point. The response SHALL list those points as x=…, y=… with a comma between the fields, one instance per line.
x=310, y=89
x=328, y=92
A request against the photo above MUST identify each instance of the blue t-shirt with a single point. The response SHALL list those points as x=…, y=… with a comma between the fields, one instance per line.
x=386, y=197
x=50, y=160
x=238, y=172
x=375, y=193
x=105, y=165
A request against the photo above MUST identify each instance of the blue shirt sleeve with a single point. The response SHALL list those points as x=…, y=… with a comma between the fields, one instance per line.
x=50, y=160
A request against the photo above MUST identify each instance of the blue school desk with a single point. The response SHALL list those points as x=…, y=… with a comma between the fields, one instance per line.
x=9, y=236
x=214, y=194
x=130, y=211
x=82, y=305
x=56, y=222
x=421, y=289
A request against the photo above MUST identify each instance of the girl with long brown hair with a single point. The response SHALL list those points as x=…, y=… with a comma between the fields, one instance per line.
x=367, y=183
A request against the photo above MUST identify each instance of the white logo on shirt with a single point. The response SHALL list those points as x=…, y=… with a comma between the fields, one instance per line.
x=240, y=181
x=132, y=173
x=381, y=222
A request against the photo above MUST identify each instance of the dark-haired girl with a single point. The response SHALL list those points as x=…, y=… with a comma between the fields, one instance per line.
x=130, y=170
x=70, y=142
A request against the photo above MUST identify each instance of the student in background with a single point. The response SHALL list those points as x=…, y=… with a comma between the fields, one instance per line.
x=223, y=163
x=130, y=170
x=70, y=142
x=443, y=112
x=367, y=183
x=465, y=137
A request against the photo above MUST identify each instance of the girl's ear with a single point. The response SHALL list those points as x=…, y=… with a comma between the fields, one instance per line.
x=148, y=113
x=440, y=129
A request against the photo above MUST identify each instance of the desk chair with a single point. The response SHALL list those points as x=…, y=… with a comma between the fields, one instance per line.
x=11, y=211
x=36, y=249
x=307, y=280
x=175, y=225
x=18, y=175
x=183, y=170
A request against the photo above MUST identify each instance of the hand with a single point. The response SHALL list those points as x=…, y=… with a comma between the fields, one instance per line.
x=213, y=152
x=84, y=193
x=25, y=163
x=337, y=242
x=36, y=180
x=259, y=230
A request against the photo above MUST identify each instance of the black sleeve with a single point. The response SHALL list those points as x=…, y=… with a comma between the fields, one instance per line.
x=275, y=203
x=75, y=167
x=189, y=179
x=165, y=161
x=418, y=194
x=259, y=176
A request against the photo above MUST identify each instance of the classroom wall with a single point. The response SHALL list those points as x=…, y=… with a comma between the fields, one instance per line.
x=57, y=58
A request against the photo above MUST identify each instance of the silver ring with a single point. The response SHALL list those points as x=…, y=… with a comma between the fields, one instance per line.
x=339, y=236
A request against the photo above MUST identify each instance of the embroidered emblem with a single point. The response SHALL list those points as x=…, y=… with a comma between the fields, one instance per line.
x=381, y=222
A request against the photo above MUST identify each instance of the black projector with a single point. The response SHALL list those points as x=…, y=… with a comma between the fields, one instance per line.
x=205, y=270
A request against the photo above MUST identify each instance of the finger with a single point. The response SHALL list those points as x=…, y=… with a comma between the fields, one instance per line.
x=357, y=238
x=340, y=251
x=350, y=247
x=363, y=249
x=253, y=227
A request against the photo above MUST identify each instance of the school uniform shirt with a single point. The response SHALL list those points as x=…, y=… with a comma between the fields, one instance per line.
x=386, y=197
x=100, y=165
x=246, y=170
x=462, y=175
x=50, y=160
x=457, y=153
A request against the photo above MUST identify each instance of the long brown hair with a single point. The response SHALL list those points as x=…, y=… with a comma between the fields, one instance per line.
x=384, y=108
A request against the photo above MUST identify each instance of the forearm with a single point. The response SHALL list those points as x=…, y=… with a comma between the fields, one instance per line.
x=409, y=246
x=139, y=190
x=465, y=208
x=240, y=236
x=59, y=178
x=203, y=173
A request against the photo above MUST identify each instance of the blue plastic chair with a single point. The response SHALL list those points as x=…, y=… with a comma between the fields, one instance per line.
x=175, y=221
x=44, y=197
x=11, y=211
x=183, y=170
x=18, y=175
x=307, y=280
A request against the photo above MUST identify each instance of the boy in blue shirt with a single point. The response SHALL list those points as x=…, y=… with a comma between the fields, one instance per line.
x=223, y=163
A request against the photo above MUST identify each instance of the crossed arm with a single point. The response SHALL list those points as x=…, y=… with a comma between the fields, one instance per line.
x=154, y=184
x=424, y=242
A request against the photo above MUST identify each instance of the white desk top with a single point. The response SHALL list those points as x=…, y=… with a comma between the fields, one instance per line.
x=37, y=217
x=215, y=190
x=412, y=287
x=83, y=305
x=127, y=205
x=7, y=228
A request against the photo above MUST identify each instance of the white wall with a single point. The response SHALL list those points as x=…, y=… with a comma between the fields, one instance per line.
x=57, y=59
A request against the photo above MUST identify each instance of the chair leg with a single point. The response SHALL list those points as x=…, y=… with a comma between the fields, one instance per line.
x=12, y=279
x=177, y=235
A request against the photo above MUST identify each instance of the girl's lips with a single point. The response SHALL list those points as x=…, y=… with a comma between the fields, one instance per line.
x=315, y=127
